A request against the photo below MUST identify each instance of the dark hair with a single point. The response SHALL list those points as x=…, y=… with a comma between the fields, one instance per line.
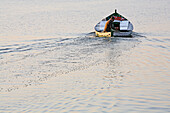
x=113, y=17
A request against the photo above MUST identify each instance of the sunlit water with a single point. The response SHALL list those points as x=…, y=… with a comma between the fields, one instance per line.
x=50, y=60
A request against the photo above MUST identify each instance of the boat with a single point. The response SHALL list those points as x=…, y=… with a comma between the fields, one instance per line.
x=121, y=27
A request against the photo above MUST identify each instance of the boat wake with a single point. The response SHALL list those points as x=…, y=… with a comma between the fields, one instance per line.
x=135, y=34
x=32, y=62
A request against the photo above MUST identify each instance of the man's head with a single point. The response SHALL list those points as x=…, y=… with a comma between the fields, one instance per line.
x=112, y=18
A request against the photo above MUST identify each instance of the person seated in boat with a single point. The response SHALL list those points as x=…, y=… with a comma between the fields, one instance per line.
x=108, y=25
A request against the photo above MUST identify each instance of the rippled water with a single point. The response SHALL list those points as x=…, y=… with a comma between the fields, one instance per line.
x=50, y=60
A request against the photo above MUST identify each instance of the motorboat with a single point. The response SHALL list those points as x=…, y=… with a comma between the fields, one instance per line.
x=121, y=27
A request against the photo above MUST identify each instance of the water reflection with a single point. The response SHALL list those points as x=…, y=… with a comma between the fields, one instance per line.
x=117, y=55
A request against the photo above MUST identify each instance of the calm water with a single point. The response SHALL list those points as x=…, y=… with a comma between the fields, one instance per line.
x=50, y=60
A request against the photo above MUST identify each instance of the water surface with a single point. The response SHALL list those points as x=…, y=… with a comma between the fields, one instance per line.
x=50, y=60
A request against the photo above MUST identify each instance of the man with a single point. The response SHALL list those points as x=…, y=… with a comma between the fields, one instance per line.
x=108, y=25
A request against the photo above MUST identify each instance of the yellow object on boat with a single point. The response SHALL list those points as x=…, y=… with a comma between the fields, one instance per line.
x=103, y=34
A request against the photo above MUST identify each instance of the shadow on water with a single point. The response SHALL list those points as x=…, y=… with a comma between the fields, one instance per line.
x=34, y=61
